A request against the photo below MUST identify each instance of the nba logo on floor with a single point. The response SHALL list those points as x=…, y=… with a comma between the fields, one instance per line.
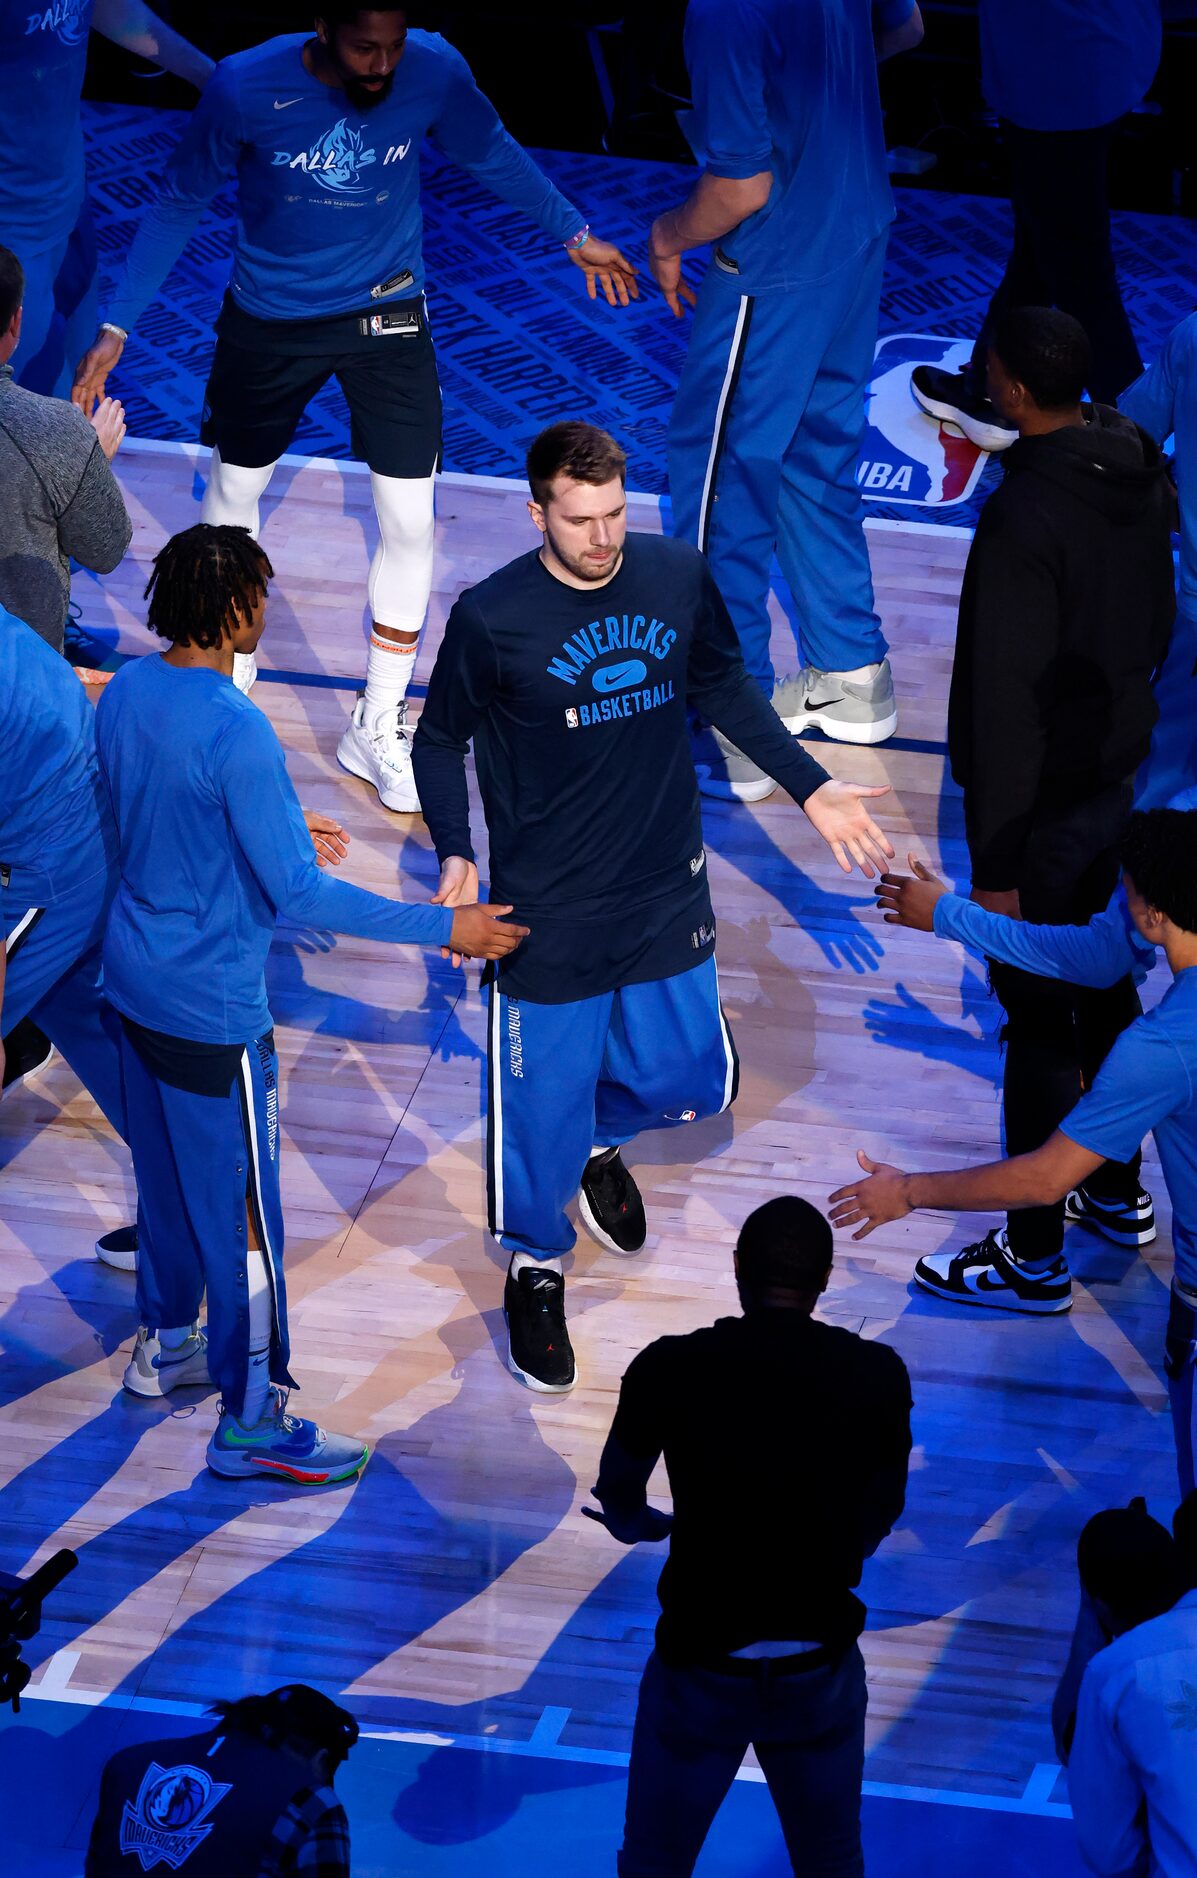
x=905, y=455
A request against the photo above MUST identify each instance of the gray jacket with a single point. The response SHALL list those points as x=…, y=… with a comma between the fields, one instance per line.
x=58, y=500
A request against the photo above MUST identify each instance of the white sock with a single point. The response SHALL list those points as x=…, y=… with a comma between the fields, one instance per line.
x=520, y=1259
x=602, y=1148
x=389, y=669
x=261, y=1335
x=861, y=675
x=175, y=1338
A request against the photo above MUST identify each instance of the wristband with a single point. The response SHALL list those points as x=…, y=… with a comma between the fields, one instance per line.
x=107, y=326
x=579, y=240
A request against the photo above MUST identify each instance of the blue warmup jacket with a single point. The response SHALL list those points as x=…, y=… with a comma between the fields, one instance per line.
x=213, y=849
x=328, y=196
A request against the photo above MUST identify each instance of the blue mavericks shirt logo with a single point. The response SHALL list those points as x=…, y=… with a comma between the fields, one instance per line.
x=165, y=1823
x=625, y=677
x=337, y=159
x=67, y=18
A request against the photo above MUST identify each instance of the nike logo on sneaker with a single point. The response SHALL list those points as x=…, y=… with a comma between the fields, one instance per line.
x=822, y=704
x=286, y=103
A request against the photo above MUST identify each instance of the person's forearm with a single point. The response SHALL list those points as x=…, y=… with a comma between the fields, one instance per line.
x=131, y=24
x=882, y=1509
x=997, y=1186
x=740, y=709
x=1099, y=954
x=444, y=793
x=713, y=208
x=157, y=245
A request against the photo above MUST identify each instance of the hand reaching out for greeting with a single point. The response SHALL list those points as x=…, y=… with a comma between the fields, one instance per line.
x=837, y=810
x=906, y=901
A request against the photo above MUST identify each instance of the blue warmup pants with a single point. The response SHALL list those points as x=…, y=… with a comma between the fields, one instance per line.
x=566, y=1078
x=53, y=974
x=198, y=1160
x=1180, y=1368
x=1172, y=760
x=61, y=309
x=764, y=443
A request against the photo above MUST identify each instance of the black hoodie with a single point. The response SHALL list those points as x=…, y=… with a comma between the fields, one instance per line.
x=1065, y=614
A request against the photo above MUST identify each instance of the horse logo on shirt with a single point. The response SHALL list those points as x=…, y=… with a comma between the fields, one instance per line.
x=165, y=1823
x=67, y=18
x=336, y=160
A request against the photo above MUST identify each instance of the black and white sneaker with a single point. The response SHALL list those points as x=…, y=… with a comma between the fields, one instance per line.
x=539, y=1351
x=119, y=1249
x=952, y=397
x=26, y=1050
x=985, y=1274
x=1125, y=1222
x=610, y=1205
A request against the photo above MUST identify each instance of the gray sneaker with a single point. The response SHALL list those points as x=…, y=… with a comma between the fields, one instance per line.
x=153, y=1371
x=843, y=708
x=725, y=772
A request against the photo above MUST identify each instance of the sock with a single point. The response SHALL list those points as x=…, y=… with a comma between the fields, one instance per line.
x=606, y=1153
x=171, y=1340
x=389, y=669
x=861, y=675
x=520, y=1259
x=257, y=1386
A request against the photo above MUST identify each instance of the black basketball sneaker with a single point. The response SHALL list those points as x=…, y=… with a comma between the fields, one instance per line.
x=539, y=1351
x=610, y=1204
x=986, y=1274
x=1124, y=1221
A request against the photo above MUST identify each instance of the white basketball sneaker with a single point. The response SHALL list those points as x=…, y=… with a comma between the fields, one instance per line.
x=245, y=671
x=382, y=756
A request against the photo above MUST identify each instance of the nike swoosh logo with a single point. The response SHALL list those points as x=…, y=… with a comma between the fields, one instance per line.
x=287, y=103
x=821, y=705
x=619, y=677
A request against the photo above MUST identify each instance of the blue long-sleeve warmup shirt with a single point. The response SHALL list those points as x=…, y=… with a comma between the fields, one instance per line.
x=56, y=826
x=575, y=700
x=1164, y=403
x=1148, y=1082
x=213, y=849
x=43, y=55
x=328, y=196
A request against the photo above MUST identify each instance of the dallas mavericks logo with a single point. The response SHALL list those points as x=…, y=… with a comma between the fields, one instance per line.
x=336, y=160
x=906, y=456
x=67, y=18
x=165, y=1823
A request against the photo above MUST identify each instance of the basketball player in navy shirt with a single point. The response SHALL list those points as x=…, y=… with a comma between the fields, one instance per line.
x=213, y=848
x=323, y=136
x=571, y=670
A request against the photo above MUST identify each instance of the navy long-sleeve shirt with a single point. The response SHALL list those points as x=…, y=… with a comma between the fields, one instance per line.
x=575, y=700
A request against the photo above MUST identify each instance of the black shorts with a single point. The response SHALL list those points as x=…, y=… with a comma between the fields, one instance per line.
x=266, y=372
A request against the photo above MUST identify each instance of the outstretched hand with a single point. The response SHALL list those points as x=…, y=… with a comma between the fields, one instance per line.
x=910, y=902
x=91, y=373
x=328, y=838
x=837, y=810
x=604, y=266
x=884, y=1195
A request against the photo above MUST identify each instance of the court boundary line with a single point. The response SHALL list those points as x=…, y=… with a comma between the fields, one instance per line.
x=544, y=1744
x=502, y=485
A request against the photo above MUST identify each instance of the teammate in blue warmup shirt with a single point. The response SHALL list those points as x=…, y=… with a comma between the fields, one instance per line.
x=213, y=848
x=1060, y=74
x=44, y=214
x=571, y=670
x=323, y=136
x=765, y=434
x=1148, y=1082
x=1164, y=403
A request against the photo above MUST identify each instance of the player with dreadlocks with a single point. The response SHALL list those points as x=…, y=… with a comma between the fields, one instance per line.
x=213, y=848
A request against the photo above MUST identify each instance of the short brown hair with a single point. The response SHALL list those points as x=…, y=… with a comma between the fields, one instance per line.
x=581, y=451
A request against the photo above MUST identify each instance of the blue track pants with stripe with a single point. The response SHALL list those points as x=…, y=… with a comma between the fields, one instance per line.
x=764, y=443
x=199, y=1159
x=566, y=1078
x=54, y=975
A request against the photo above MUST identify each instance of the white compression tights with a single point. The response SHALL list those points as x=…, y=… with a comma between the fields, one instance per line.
x=401, y=571
x=233, y=495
